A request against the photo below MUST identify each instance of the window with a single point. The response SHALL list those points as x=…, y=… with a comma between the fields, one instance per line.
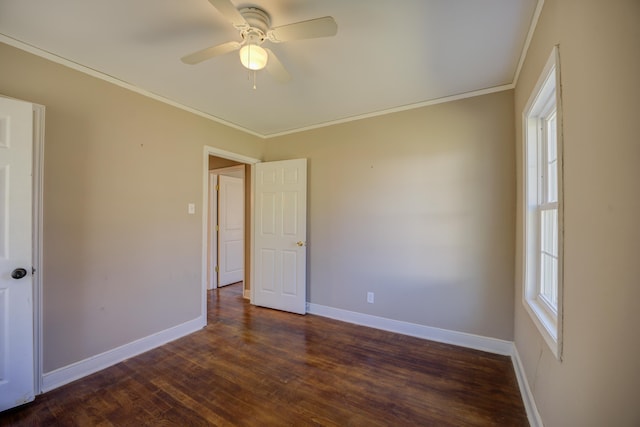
x=542, y=125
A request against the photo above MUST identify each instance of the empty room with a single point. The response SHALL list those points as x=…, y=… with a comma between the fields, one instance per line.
x=288, y=212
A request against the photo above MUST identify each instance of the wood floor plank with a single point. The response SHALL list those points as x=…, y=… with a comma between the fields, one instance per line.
x=253, y=366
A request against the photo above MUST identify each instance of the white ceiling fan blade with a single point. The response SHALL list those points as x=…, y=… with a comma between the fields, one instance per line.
x=276, y=69
x=210, y=52
x=226, y=8
x=320, y=27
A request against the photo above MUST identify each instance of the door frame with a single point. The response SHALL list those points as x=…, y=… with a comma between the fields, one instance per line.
x=37, y=238
x=217, y=152
x=212, y=234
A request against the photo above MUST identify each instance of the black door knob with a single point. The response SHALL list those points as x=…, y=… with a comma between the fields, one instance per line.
x=18, y=273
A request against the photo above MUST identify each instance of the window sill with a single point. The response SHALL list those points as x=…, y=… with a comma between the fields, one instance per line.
x=547, y=325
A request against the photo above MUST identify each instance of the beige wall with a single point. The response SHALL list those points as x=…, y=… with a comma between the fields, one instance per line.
x=597, y=382
x=122, y=258
x=417, y=207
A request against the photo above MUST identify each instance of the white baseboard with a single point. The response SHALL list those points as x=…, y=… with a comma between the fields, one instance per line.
x=75, y=371
x=491, y=345
x=527, y=397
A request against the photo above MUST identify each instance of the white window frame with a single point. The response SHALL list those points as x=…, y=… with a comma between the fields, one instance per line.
x=545, y=98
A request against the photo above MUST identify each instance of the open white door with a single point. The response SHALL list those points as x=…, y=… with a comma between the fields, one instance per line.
x=280, y=233
x=231, y=233
x=16, y=281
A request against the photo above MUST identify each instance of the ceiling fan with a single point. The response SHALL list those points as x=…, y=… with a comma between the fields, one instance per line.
x=254, y=25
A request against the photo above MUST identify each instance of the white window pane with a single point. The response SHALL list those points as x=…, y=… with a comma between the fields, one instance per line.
x=549, y=231
x=552, y=182
x=554, y=284
x=552, y=156
x=549, y=256
x=552, y=148
x=554, y=221
x=549, y=279
x=545, y=275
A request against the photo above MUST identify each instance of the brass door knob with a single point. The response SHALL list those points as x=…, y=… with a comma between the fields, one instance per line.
x=300, y=243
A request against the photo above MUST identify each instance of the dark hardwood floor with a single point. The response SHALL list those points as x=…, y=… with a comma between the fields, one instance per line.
x=258, y=367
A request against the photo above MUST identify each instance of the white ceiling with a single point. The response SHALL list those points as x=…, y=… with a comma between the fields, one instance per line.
x=387, y=55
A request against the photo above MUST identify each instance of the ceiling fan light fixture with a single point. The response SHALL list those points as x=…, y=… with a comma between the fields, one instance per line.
x=253, y=57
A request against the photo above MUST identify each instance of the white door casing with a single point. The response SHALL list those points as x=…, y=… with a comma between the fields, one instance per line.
x=231, y=230
x=212, y=233
x=280, y=235
x=17, y=367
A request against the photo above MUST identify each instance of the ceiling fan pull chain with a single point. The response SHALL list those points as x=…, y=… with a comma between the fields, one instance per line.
x=250, y=70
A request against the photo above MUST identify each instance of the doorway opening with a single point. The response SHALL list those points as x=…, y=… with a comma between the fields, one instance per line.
x=226, y=165
x=227, y=224
x=275, y=228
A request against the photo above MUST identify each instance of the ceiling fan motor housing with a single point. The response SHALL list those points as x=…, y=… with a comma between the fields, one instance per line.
x=259, y=23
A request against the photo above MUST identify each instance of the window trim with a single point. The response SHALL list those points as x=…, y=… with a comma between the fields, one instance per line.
x=548, y=322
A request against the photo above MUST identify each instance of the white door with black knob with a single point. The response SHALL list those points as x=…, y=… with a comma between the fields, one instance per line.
x=16, y=284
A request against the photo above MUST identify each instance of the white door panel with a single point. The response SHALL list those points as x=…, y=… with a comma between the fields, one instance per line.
x=280, y=234
x=16, y=294
x=231, y=234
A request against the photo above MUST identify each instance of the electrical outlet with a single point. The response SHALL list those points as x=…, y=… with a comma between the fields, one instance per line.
x=370, y=297
x=191, y=208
